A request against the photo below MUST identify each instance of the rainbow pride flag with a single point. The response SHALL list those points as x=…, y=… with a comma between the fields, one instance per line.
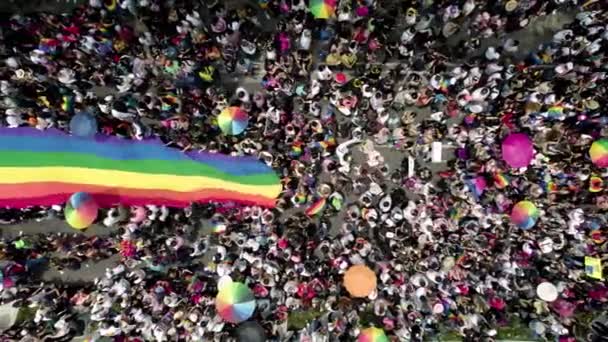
x=46, y=167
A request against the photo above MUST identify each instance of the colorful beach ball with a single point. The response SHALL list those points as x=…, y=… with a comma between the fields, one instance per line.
x=80, y=210
x=524, y=214
x=233, y=120
x=323, y=9
x=235, y=302
x=599, y=152
x=372, y=334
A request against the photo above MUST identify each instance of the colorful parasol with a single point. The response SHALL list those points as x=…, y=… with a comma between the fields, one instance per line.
x=81, y=210
x=524, y=214
x=599, y=152
x=360, y=281
x=235, y=302
x=372, y=334
x=323, y=9
x=517, y=150
x=233, y=120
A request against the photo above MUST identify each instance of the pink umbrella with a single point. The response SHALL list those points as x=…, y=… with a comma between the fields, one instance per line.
x=517, y=150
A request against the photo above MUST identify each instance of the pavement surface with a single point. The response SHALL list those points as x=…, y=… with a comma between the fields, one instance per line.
x=537, y=32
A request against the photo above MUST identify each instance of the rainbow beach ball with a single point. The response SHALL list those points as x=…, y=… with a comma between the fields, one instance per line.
x=524, y=215
x=80, y=210
x=599, y=152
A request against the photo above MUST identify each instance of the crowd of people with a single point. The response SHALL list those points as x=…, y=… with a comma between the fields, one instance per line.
x=326, y=98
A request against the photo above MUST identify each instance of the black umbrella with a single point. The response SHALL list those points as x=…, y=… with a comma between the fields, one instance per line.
x=250, y=332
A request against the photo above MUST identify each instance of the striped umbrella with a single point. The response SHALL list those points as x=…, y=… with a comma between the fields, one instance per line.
x=233, y=120
x=235, y=302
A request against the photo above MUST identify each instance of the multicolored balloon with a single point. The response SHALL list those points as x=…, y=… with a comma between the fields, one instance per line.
x=372, y=334
x=599, y=152
x=233, y=120
x=524, y=214
x=81, y=210
x=235, y=302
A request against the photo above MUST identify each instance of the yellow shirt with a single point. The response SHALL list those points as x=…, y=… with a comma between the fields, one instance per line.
x=349, y=60
x=333, y=59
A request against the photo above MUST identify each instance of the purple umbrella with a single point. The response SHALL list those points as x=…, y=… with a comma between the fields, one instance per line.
x=517, y=150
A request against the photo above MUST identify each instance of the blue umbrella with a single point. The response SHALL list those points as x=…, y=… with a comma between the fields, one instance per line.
x=83, y=125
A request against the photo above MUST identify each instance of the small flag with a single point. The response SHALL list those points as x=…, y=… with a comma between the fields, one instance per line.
x=550, y=187
x=555, y=112
x=410, y=167
x=317, y=207
x=206, y=73
x=67, y=103
x=593, y=267
x=501, y=180
x=296, y=149
x=477, y=186
x=20, y=244
x=436, y=148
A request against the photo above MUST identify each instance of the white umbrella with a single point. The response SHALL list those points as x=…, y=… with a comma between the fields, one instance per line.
x=8, y=316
